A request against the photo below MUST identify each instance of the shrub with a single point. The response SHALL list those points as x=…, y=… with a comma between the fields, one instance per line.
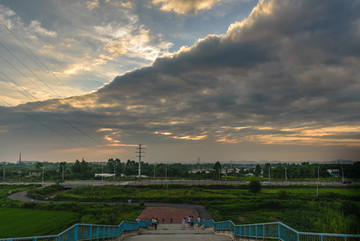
x=254, y=186
x=282, y=194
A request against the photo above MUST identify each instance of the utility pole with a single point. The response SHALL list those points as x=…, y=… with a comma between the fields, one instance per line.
x=167, y=184
x=4, y=173
x=43, y=171
x=114, y=169
x=269, y=171
x=198, y=164
x=317, y=186
x=102, y=172
x=285, y=174
x=154, y=171
x=342, y=173
x=63, y=170
x=226, y=175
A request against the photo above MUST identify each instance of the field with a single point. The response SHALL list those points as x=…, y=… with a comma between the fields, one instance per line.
x=15, y=222
x=335, y=209
x=34, y=219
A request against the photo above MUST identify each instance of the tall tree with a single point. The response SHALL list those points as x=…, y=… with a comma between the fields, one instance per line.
x=257, y=170
x=254, y=186
x=38, y=165
x=217, y=169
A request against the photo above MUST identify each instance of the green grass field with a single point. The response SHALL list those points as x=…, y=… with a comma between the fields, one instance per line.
x=335, y=209
x=16, y=222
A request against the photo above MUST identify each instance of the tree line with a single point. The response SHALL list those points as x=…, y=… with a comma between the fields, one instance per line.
x=37, y=171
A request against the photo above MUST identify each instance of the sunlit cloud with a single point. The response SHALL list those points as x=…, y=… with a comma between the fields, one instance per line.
x=122, y=145
x=92, y=4
x=185, y=6
x=163, y=133
x=129, y=5
x=320, y=136
x=35, y=26
x=191, y=138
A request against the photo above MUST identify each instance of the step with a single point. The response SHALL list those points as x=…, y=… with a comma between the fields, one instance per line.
x=178, y=237
x=174, y=229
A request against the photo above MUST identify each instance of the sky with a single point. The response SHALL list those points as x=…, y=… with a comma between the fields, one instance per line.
x=222, y=80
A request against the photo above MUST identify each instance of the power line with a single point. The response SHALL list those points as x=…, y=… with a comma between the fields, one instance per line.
x=47, y=126
x=78, y=129
x=34, y=57
x=53, y=113
x=29, y=96
x=60, y=98
x=42, y=64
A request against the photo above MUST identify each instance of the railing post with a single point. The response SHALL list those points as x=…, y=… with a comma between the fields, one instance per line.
x=263, y=231
x=298, y=236
x=76, y=232
x=90, y=236
x=279, y=232
x=98, y=233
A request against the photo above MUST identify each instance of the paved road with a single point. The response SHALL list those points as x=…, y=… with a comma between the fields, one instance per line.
x=183, y=182
x=174, y=232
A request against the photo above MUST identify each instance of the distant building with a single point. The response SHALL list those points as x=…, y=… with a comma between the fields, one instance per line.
x=34, y=174
x=104, y=175
x=334, y=172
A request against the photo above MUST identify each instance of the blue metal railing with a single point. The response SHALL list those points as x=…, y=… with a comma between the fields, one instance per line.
x=276, y=230
x=88, y=232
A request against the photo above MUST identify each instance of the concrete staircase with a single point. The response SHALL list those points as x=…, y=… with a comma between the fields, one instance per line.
x=174, y=232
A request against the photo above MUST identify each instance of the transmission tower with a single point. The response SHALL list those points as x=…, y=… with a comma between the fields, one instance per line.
x=140, y=148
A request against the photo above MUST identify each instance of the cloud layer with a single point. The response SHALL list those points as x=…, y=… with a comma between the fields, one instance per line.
x=288, y=76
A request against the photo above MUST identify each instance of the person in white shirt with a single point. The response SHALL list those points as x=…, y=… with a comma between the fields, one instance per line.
x=183, y=223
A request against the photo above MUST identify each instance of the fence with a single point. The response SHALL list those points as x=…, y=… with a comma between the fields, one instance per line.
x=88, y=232
x=276, y=230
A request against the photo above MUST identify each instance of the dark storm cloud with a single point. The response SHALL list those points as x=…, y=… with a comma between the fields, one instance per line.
x=291, y=68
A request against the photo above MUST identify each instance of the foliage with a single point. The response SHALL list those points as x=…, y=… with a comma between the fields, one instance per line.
x=296, y=206
x=43, y=193
x=254, y=186
x=217, y=170
x=282, y=194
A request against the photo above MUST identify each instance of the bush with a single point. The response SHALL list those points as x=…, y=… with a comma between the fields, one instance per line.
x=42, y=192
x=254, y=186
x=282, y=194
